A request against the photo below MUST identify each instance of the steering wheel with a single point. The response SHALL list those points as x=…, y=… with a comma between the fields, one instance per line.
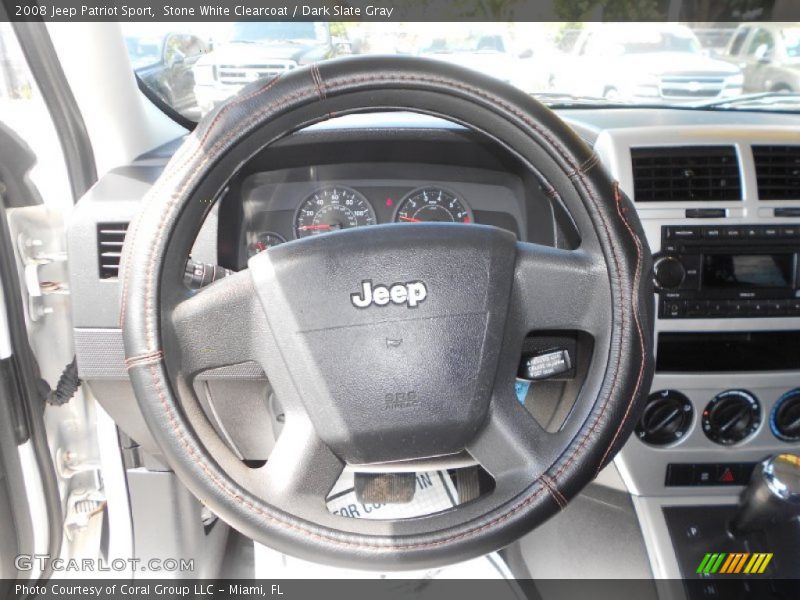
x=344, y=324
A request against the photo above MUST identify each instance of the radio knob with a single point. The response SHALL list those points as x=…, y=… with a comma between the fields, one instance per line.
x=669, y=272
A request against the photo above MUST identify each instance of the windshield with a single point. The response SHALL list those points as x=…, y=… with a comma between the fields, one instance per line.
x=661, y=41
x=268, y=33
x=688, y=65
x=473, y=41
x=791, y=39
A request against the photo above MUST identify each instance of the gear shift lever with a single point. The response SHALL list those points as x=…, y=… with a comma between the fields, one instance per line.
x=771, y=498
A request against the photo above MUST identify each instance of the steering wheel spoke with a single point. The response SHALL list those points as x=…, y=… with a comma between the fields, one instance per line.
x=511, y=446
x=220, y=325
x=556, y=289
x=301, y=470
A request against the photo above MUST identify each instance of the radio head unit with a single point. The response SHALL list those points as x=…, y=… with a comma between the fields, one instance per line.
x=728, y=271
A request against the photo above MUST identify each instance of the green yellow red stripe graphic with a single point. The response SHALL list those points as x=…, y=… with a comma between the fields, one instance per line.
x=733, y=563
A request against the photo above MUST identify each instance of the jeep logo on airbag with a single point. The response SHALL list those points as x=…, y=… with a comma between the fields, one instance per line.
x=410, y=294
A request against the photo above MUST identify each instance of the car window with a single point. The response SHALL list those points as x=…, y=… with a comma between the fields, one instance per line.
x=23, y=110
x=791, y=41
x=761, y=39
x=738, y=41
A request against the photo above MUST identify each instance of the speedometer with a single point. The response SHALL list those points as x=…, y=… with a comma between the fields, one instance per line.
x=433, y=204
x=330, y=209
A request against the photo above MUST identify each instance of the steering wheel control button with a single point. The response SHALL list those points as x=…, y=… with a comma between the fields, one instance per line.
x=669, y=272
x=546, y=365
x=784, y=420
x=666, y=418
x=731, y=417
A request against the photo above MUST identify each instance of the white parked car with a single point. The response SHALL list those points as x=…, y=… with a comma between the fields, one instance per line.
x=493, y=53
x=251, y=51
x=645, y=62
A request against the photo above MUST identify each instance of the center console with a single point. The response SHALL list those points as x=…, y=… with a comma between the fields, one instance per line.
x=720, y=207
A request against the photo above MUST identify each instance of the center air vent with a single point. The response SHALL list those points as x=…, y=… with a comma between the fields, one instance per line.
x=778, y=172
x=110, y=237
x=685, y=174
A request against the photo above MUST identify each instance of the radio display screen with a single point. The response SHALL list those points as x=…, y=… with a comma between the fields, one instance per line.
x=722, y=271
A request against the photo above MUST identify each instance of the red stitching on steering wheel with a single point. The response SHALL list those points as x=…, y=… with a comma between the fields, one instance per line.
x=190, y=178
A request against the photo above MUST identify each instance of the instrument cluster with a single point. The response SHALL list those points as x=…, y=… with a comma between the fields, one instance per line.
x=334, y=207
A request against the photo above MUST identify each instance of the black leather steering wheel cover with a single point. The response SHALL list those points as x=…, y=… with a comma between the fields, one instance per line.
x=150, y=258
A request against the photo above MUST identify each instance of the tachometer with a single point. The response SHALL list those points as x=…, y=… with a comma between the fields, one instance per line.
x=330, y=209
x=433, y=204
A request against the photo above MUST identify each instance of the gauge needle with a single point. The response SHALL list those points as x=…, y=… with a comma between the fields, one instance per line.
x=410, y=219
x=307, y=227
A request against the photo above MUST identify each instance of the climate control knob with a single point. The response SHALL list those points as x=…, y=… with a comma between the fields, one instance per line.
x=666, y=418
x=669, y=272
x=785, y=418
x=731, y=417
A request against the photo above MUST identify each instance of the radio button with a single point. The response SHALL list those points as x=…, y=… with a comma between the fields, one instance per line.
x=790, y=231
x=683, y=233
x=777, y=308
x=732, y=232
x=717, y=308
x=770, y=232
x=751, y=232
x=673, y=309
x=691, y=264
x=712, y=233
x=696, y=308
x=757, y=308
x=737, y=308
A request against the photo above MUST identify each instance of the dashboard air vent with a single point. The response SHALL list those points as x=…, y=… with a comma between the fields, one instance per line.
x=686, y=174
x=110, y=237
x=778, y=172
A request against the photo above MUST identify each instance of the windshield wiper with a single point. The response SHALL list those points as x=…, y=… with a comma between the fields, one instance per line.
x=564, y=99
x=760, y=99
x=291, y=42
